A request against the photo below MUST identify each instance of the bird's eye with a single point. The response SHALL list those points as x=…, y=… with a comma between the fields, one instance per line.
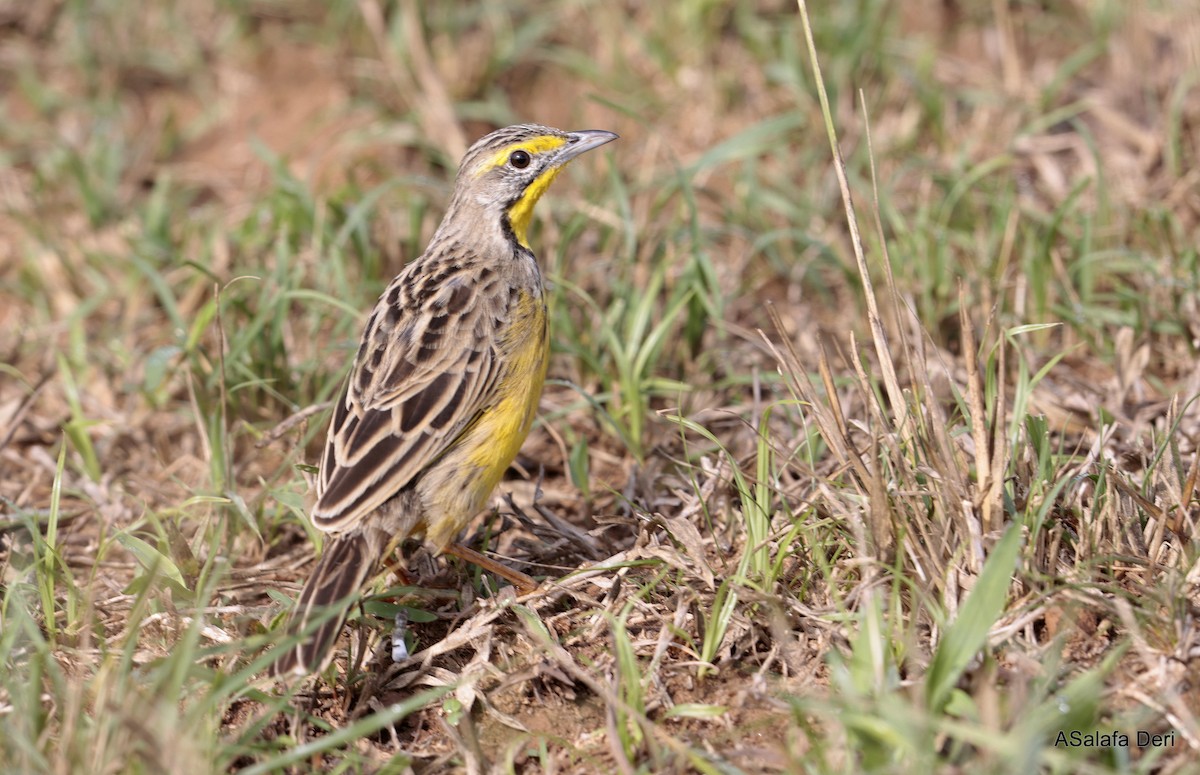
x=520, y=159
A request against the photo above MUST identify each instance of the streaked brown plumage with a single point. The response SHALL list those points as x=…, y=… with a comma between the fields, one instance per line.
x=445, y=384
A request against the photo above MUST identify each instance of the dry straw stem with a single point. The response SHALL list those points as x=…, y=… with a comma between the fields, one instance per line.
x=417, y=77
x=988, y=430
x=874, y=320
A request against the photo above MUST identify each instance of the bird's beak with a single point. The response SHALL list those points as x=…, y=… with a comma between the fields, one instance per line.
x=583, y=141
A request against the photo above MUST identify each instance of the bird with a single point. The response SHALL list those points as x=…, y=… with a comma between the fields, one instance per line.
x=444, y=386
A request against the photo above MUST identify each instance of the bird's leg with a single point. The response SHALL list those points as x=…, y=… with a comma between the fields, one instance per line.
x=395, y=563
x=525, y=584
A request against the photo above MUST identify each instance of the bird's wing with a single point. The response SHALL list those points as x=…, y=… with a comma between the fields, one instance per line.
x=425, y=370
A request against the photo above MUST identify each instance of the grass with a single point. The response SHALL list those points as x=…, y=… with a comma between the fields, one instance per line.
x=882, y=467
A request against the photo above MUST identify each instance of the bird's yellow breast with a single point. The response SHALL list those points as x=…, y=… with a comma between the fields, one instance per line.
x=476, y=466
x=503, y=428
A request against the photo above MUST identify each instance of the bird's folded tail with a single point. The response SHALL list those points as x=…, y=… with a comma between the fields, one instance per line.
x=321, y=611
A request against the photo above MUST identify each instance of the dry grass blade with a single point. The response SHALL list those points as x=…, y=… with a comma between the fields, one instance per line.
x=874, y=320
x=428, y=94
x=22, y=408
x=291, y=421
x=979, y=416
x=830, y=420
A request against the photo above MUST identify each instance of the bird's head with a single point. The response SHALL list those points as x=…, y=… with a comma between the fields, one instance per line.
x=508, y=170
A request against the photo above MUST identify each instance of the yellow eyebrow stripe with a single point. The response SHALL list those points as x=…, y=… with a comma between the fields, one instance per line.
x=535, y=146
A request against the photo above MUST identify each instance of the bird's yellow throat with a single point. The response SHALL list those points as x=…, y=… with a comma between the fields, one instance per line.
x=521, y=212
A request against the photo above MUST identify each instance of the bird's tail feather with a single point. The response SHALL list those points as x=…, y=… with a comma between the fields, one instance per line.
x=321, y=611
